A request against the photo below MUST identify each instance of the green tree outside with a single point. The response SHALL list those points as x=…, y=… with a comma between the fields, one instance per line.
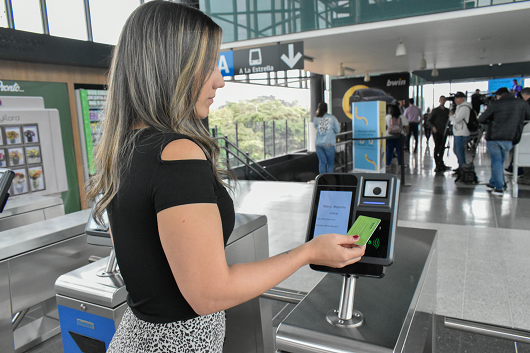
x=254, y=118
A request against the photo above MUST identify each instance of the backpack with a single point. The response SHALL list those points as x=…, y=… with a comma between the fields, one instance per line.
x=396, y=126
x=472, y=123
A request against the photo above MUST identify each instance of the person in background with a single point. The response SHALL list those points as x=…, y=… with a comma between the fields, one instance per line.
x=516, y=88
x=402, y=106
x=476, y=101
x=158, y=179
x=395, y=124
x=525, y=178
x=327, y=127
x=413, y=115
x=426, y=128
x=438, y=122
x=460, y=131
x=505, y=118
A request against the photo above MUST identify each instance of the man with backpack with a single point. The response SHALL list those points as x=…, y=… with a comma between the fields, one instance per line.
x=505, y=118
x=460, y=120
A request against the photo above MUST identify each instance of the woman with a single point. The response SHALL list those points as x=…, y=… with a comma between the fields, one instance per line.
x=169, y=212
x=395, y=122
x=327, y=126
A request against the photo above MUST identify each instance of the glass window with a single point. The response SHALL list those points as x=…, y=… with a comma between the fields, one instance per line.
x=264, y=6
x=265, y=21
x=227, y=26
x=66, y=18
x=27, y=15
x=241, y=5
x=221, y=7
x=108, y=18
x=3, y=15
x=242, y=27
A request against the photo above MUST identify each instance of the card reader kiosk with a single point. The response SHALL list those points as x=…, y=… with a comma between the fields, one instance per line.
x=338, y=199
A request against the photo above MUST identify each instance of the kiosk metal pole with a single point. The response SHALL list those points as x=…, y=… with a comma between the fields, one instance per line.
x=346, y=316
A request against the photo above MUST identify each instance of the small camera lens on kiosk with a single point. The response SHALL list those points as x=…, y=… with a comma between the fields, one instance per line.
x=375, y=188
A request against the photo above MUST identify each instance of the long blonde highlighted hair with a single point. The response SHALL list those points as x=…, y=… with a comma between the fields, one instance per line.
x=165, y=53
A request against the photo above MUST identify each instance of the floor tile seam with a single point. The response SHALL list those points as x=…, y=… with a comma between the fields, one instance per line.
x=439, y=226
x=465, y=277
x=507, y=292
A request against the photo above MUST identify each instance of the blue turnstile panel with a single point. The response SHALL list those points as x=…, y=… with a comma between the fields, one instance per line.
x=84, y=332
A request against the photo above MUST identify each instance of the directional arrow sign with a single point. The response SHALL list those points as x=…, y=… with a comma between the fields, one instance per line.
x=291, y=56
x=292, y=59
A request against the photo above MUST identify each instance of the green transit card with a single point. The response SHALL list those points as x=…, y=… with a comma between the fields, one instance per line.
x=364, y=227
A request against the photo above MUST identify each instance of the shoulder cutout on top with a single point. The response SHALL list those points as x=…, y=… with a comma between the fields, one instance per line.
x=182, y=149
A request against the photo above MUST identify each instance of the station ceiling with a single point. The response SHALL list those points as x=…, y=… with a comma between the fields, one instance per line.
x=464, y=44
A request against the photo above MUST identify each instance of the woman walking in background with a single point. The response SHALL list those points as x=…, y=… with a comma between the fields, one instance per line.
x=327, y=126
x=395, y=122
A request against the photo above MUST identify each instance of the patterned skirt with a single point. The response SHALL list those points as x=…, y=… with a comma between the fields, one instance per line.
x=201, y=334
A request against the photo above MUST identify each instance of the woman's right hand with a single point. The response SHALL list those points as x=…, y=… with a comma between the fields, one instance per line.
x=334, y=250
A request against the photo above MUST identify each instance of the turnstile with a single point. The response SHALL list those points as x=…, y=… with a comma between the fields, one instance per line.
x=32, y=257
x=30, y=209
x=398, y=308
x=91, y=304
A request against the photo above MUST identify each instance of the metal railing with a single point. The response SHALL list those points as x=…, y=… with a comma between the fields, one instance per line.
x=246, y=160
x=266, y=139
x=348, y=146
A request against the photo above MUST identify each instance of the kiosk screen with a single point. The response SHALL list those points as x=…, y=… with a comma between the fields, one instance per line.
x=333, y=210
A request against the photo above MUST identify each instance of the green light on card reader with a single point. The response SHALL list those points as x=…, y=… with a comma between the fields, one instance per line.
x=376, y=243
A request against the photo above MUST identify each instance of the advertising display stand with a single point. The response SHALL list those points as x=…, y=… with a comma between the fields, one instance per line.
x=90, y=112
x=369, y=122
x=31, y=146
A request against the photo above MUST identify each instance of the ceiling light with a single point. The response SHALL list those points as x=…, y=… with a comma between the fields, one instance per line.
x=367, y=77
x=341, y=70
x=423, y=63
x=434, y=72
x=400, y=50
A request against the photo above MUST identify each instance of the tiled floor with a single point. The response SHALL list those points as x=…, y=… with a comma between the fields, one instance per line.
x=483, y=244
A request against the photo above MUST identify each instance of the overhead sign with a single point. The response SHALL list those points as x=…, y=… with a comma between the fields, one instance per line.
x=269, y=58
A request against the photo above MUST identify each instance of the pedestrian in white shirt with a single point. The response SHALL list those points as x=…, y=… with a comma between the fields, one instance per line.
x=413, y=115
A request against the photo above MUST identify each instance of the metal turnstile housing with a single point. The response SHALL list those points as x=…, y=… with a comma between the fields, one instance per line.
x=87, y=300
x=398, y=309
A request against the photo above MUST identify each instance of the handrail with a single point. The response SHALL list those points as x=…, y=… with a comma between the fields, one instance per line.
x=246, y=163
